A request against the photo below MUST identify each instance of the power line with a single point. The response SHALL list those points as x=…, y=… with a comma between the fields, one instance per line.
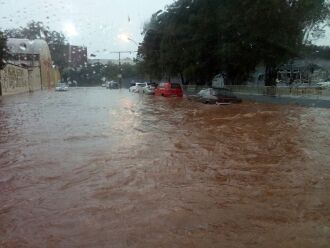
x=119, y=62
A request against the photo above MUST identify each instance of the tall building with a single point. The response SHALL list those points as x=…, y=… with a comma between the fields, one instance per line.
x=77, y=55
x=74, y=56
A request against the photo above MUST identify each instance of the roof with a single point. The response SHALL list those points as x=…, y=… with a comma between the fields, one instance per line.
x=25, y=46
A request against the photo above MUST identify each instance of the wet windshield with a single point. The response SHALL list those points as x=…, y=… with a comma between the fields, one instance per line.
x=164, y=123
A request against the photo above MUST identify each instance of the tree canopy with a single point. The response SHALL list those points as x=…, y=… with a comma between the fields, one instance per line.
x=3, y=50
x=198, y=39
x=95, y=74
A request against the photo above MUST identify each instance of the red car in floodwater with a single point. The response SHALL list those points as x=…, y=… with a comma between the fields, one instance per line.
x=169, y=89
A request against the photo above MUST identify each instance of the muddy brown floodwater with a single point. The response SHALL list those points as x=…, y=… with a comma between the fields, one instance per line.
x=101, y=168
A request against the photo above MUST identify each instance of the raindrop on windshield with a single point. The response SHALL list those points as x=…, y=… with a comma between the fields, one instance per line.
x=22, y=46
x=42, y=35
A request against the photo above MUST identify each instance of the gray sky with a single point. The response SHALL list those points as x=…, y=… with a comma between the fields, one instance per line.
x=101, y=25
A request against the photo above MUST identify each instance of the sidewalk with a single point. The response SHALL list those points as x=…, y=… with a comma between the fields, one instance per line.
x=306, y=101
x=317, y=101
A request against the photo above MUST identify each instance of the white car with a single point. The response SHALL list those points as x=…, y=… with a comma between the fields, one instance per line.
x=138, y=87
x=149, y=89
x=61, y=87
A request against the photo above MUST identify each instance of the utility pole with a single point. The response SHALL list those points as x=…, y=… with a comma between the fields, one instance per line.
x=0, y=85
x=120, y=76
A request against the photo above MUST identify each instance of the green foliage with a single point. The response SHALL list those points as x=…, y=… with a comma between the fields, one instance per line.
x=198, y=39
x=3, y=50
x=316, y=52
x=95, y=74
x=37, y=30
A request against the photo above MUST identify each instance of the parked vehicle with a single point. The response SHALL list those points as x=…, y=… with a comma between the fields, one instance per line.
x=216, y=95
x=113, y=85
x=149, y=89
x=169, y=89
x=137, y=87
x=61, y=87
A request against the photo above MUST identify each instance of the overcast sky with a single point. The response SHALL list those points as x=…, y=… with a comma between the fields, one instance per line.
x=100, y=25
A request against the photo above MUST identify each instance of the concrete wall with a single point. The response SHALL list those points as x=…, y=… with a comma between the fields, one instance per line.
x=15, y=79
x=49, y=75
x=46, y=73
x=34, y=79
x=55, y=76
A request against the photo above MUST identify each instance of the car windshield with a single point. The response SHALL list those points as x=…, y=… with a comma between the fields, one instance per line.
x=164, y=123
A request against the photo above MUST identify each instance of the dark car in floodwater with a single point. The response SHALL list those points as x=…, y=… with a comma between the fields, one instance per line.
x=113, y=85
x=216, y=95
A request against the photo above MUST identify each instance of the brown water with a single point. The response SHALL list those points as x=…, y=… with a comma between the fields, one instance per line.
x=100, y=168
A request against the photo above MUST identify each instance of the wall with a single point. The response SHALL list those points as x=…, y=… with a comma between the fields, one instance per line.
x=56, y=76
x=34, y=79
x=15, y=79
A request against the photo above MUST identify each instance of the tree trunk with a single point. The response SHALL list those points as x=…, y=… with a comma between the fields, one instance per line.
x=182, y=78
x=270, y=75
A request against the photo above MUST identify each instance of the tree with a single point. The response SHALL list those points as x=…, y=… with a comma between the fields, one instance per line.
x=3, y=50
x=111, y=71
x=95, y=74
x=201, y=38
x=277, y=29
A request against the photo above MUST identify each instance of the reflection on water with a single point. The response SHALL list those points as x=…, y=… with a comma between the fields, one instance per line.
x=101, y=168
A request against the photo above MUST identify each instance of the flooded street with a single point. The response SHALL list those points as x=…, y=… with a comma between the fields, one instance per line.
x=101, y=168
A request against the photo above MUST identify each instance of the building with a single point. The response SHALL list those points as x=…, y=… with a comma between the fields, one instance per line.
x=76, y=56
x=298, y=71
x=28, y=68
x=301, y=71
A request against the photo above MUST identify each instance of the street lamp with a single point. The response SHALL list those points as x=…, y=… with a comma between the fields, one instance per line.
x=126, y=38
x=130, y=39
